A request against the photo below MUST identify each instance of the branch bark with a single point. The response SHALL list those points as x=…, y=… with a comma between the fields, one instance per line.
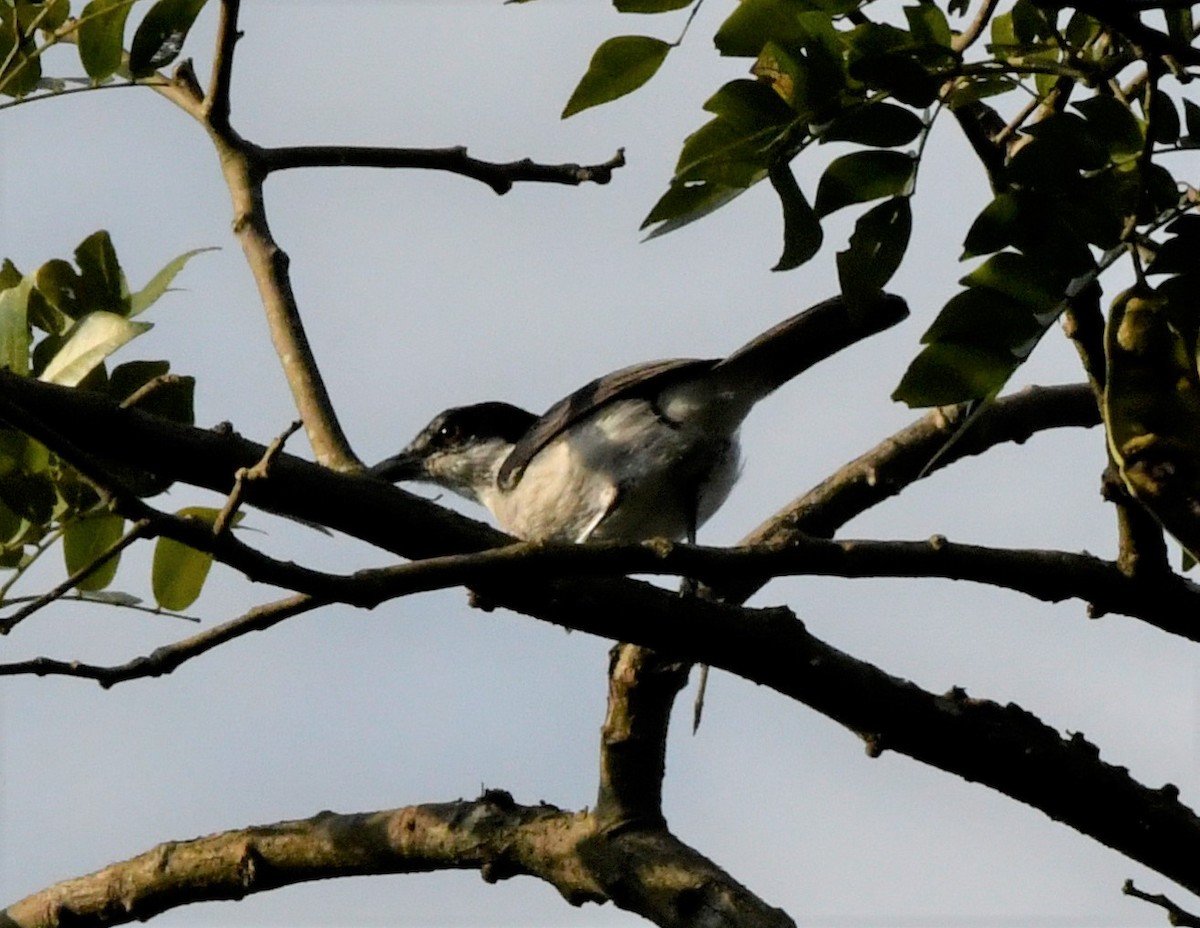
x=647, y=871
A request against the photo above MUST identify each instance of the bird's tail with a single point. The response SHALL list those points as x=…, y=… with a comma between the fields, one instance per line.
x=796, y=344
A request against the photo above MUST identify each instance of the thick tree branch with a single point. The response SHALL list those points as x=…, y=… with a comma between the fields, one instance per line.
x=909, y=454
x=500, y=177
x=646, y=871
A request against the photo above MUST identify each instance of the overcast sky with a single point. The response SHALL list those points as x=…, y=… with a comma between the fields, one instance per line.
x=424, y=290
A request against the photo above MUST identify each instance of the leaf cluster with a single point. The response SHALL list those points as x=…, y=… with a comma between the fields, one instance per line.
x=60, y=324
x=29, y=27
x=1073, y=147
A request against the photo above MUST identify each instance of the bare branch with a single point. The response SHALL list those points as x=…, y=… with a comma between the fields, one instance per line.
x=500, y=177
x=165, y=659
x=216, y=104
x=645, y=871
x=1175, y=915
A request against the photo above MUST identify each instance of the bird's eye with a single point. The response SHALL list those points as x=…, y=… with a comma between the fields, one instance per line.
x=449, y=433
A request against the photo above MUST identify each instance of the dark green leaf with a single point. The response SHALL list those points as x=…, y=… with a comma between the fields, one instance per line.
x=884, y=125
x=1081, y=29
x=786, y=74
x=994, y=228
x=1018, y=277
x=1114, y=125
x=1180, y=25
x=720, y=152
x=59, y=286
x=161, y=34
x=749, y=106
x=928, y=25
x=684, y=203
x=620, y=65
x=101, y=280
x=753, y=23
x=30, y=495
x=22, y=67
x=802, y=235
x=1177, y=255
x=102, y=37
x=877, y=247
x=901, y=75
x=1030, y=23
x=989, y=320
x=171, y=398
x=128, y=378
x=9, y=275
x=650, y=6
x=862, y=176
x=944, y=373
x=1164, y=118
x=85, y=540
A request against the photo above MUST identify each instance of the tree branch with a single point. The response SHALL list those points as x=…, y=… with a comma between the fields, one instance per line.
x=500, y=177
x=646, y=871
x=1002, y=747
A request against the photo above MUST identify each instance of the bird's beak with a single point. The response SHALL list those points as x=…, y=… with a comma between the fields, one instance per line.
x=407, y=465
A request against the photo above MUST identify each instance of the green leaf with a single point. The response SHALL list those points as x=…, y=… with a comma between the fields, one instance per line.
x=753, y=23
x=945, y=373
x=85, y=540
x=179, y=571
x=988, y=320
x=101, y=281
x=862, y=176
x=720, y=152
x=160, y=36
x=1114, y=126
x=877, y=247
x=160, y=282
x=749, y=105
x=1017, y=277
x=650, y=6
x=15, y=336
x=620, y=65
x=88, y=342
x=102, y=37
x=802, y=235
x=685, y=202
x=172, y=398
x=128, y=378
x=900, y=74
x=928, y=25
x=883, y=125
x=1164, y=118
x=22, y=66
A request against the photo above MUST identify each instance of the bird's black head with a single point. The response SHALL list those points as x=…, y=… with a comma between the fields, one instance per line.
x=454, y=432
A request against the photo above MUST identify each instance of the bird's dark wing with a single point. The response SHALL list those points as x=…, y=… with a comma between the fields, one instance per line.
x=638, y=381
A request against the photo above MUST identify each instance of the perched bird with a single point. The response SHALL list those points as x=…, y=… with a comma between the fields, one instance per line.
x=649, y=451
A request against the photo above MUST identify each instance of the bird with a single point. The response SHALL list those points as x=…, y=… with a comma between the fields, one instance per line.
x=648, y=451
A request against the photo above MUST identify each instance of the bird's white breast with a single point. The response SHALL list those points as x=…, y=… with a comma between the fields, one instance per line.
x=623, y=475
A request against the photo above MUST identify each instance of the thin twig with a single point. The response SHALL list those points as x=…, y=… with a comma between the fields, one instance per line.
x=243, y=475
x=1175, y=915
x=499, y=176
x=137, y=531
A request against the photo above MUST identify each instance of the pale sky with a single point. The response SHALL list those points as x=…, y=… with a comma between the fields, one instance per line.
x=423, y=290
